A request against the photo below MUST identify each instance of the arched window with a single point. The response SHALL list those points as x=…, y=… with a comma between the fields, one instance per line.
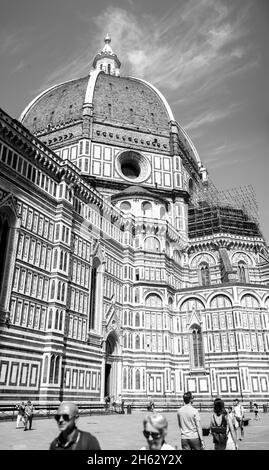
x=220, y=301
x=4, y=234
x=146, y=208
x=137, y=379
x=204, y=274
x=125, y=340
x=51, y=374
x=57, y=367
x=8, y=247
x=59, y=291
x=137, y=342
x=190, y=186
x=61, y=321
x=50, y=319
x=95, y=280
x=249, y=301
x=197, y=347
x=242, y=271
x=55, y=259
x=125, y=206
x=56, y=319
x=45, y=370
x=152, y=244
x=136, y=295
x=137, y=319
x=124, y=378
x=153, y=300
x=52, y=290
x=125, y=293
x=130, y=379
x=61, y=259
x=63, y=292
x=176, y=256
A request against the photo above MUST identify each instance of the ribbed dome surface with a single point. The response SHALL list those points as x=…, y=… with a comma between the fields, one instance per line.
x=129, y=101
x=120, y=101
x=61, y=104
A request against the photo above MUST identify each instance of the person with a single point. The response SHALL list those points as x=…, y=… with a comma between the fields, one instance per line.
x=70, y=437
x=107, y=402
x=114, y=404
x=239, y=415
x=122, y=406
x=256, y=411
x=151, y=406
x=20, y=416
x=155, y=428
x=28, y=415
x=190, y=425
x=222, y=428
x=232, y=416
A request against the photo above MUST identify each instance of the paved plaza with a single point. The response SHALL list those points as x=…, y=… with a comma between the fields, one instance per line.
x=122, y=432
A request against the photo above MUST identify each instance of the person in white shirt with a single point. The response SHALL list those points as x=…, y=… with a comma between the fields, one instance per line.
x=155, y=431
x=190, y=425
x=239, y=416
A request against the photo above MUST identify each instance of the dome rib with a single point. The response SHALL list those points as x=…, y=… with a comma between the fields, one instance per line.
x=160, y=95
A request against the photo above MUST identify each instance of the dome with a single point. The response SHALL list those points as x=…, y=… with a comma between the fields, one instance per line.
x=117, y=100
x=102, y=104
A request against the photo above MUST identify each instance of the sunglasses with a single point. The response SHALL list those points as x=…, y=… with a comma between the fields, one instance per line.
x=65, y=417
x=154, y=435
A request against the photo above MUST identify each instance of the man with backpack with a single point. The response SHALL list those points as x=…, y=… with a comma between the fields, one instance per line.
x=239, y=416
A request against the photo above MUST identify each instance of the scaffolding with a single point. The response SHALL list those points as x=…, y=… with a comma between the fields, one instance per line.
x=233, y=211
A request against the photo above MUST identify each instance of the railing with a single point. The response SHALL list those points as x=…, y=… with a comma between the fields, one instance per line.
x=48, y=411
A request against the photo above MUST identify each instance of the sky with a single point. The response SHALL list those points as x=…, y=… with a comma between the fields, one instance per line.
x=209, y=58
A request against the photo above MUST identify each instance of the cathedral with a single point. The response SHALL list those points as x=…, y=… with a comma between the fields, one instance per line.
x=123, y=270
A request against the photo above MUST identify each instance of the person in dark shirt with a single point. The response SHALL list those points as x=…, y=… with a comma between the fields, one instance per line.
x=70, y=437
x=28, y=415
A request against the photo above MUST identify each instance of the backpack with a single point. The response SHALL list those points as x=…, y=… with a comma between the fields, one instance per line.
x=219, y=432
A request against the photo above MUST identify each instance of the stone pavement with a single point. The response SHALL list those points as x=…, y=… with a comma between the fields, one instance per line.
x=122, y=432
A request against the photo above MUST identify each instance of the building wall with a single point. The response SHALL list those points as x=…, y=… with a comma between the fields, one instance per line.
x=151, y=308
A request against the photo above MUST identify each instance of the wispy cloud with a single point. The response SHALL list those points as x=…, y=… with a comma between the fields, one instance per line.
x=227, y=154
x=212, y=116
x=190, y=49
x=65, y=71
x=20, y=65
x=11, y=43
x=181, y=49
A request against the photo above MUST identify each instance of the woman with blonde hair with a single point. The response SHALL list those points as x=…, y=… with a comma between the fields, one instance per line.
x=155, y=431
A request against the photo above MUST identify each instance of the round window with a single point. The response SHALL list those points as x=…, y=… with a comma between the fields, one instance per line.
x=125, y=206
x=133, y=166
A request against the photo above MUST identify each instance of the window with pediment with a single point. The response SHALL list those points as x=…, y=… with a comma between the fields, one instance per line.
x=197, y=355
